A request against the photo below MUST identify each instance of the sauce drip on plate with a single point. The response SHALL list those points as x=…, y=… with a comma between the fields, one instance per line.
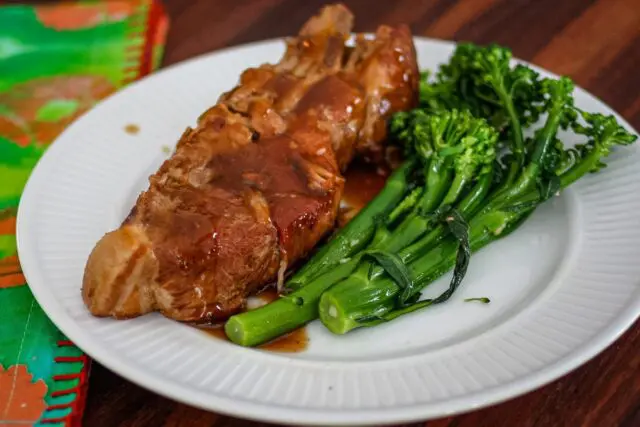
x=132, y=129
x=294, y=342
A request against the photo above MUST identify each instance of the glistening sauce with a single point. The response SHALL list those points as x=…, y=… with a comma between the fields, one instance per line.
x=293, y=342
x=362, y=184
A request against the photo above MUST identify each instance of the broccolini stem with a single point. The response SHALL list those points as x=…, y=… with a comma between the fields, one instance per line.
x=358, y=232
x=532, y=170
x=517, y=147
x=285, y=314
x=543, y=143
x=471, y=203
x=345, y=307
x=424, y=244
x=467, y=207
x=458, y=186
x=582, y=167
x=437, y=183
x=416, y=223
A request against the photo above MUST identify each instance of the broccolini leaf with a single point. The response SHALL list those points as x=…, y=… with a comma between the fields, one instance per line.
x=460, y=230
x=393, y=266
x=483, y=300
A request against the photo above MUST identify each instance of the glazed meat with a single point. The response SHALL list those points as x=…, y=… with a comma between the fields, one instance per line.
x=257, y=183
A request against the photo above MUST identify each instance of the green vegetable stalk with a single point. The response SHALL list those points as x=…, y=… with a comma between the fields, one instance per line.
x=290, y=312
x=377, y=298
x=454, y=149
x=359, y=230
x=480, y=180
x=383, y=300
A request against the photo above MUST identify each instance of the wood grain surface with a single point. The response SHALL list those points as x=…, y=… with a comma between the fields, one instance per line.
x=596, y=42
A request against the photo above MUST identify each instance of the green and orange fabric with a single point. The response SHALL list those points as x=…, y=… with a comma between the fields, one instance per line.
x=56, y=61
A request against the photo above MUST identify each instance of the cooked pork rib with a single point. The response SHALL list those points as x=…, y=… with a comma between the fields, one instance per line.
x=258, y=182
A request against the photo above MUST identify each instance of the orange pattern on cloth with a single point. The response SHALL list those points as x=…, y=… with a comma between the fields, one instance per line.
x=11, y=272
x=77, y=16
x=26, y=99
x=21, y=400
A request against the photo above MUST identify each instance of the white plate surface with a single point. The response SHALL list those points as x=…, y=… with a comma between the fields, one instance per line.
x=562, y=287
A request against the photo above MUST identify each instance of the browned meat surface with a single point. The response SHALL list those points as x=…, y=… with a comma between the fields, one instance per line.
x=258, y=182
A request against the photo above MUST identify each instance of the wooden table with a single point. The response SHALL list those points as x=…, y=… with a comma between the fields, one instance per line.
x=596, y=42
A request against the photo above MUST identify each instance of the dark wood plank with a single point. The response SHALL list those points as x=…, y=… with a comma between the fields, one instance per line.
x=596, y=42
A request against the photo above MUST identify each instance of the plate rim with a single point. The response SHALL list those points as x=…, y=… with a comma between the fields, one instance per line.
x=309, y=416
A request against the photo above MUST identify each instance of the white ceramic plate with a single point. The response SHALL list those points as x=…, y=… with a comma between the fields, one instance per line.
x=562, y=287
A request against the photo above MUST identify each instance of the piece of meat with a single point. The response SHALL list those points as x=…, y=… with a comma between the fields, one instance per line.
x=257, y=183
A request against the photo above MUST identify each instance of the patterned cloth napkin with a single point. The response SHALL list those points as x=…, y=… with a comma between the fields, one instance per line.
x=56, y=61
